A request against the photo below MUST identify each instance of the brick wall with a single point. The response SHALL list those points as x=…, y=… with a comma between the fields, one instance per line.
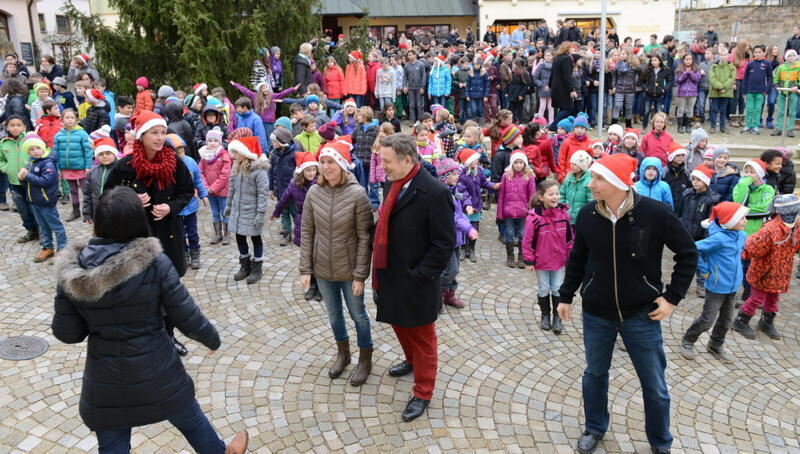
x=758, y=24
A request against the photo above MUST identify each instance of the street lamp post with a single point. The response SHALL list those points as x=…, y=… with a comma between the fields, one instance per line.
x=601, y=93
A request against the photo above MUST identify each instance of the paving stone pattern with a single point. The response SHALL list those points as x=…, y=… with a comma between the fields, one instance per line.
x=503, y=384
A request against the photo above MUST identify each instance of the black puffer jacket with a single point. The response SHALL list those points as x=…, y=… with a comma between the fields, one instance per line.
x=173, y=113
x=203, y=127
x=784, y=181
x=693, y=208
x=96, y=117
x=15, y=105
x=118, y=294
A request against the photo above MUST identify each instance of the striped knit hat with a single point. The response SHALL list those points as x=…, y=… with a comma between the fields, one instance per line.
x=508, y=134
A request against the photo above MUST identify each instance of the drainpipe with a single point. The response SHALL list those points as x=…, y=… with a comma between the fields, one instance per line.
x=33, y=36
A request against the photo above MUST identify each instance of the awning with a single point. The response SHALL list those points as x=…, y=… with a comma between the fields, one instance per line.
x=404, y=8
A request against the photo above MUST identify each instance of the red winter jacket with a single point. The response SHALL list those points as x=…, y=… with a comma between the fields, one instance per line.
x=372, y=75
x=540, y=156
x=47, y=127
x=215, y=173
x=570, y=145
x=355, y=79
x=656, y=146
x=548, y=238
x=514, y=195
x=144, y=101
x=334, y=82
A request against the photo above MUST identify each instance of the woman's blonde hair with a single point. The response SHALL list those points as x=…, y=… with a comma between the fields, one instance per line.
x=263, y=102
x=385, y=129
x=241, y=166
x=367, y=113
x=660, y=116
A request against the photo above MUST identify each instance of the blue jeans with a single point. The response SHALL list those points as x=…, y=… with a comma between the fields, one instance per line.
x=192, y=423
x=548, y=282
x=373, y=192
x=23, y=207
x=700, y=106
x=475, y=109
x=667, y=100
x=3, y=187
x=359, y=99
x=441, y=100
x=514, y=229
x=192, y=241
x=332, y=292
x=450, y=272
x=642, y=338
x=772, y=98
x=49, y=224
x=590, y=101
x=269, y=126
x=651, y=103
x=719, y=112
x=638, y=103
x=218, y=208
x=462, y=109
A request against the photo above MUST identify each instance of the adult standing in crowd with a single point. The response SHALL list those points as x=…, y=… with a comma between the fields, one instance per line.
x=794, y=41
x=711, y=36
x=616, y=262
x=335, y=249
x=22, y=68
x=415, y=80
x=49, y=68
x=562, y=91
x=80, y=64
x=414, y=240
x=114, y=291
x=490, y=37
x=302, y=68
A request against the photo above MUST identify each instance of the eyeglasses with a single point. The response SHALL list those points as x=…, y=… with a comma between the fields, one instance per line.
x=446, y=175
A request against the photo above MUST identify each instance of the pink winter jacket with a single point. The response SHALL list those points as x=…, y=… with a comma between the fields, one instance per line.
x=657, y=145
x=515, y=193
x=548, y=238
x=215, y=173
x=376, y=173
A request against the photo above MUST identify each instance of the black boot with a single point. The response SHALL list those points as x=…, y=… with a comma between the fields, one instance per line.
x=558, y=327
x=244, y=268
x=628, y=123
x=767, y=325
x=312, y=290
x=472, y=257
x=76, y=214
x=742, y=325
x=255, y=271
x=520, y=261
x=544, y=305
x=510, y=255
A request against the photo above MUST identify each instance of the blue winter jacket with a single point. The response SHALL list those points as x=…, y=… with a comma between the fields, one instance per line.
x=720, y=257
x=440, y=81
x=757, y=77
x=281, y=171
x=655, y=189
x=253, y=121
x=72, y=149
x=724, y=184
x=478, y=86
x=41, y=183
x=200, y=188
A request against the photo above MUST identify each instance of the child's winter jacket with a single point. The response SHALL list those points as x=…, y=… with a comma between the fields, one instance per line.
x=346, y=124
x=144, y=101
x=655, y=189
x=199, y=188
x=247, y=199
x=720, y=259
x=548, y=238
x=376, y=173
x=693, y=208
x=575, y=193
x=202, y=128
x=355, y=79
x=570, y=145
x=757, y=198
x=41, y=183
x=470, y=184
x=72, y=149
x=96, y=117
x=656, y=144
x=364, y=136
x=478, y=86
x=687, y=82
x=334, y=82
x=281, y=170
x=540, y=157
x=47, y=127
x=678, y=179
x=12, y=158
x=771, y=252
x=93, y=189
x=296, y=194
x=723, y=182
x=514, y=195
x=757, y=77
x=655, y=83
x=624, y=78
x=722, y=79
x=463, y=226
x=541, y=78
x=440, y=81
x=787, y=75
x=216, y=173
x=253, y=121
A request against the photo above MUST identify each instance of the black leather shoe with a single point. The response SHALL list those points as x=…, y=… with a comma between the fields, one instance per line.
x=180, y=348
x=399, y=370
x=659, y=450
x=415, y=408
x=587, y=443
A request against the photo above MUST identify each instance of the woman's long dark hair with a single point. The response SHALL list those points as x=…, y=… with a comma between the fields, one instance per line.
x=120, y=216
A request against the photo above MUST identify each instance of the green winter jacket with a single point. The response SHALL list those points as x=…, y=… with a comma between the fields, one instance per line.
x=722, y=79
x=757, y=198
x=787, y=75
x=576, y=194
x=12, y=158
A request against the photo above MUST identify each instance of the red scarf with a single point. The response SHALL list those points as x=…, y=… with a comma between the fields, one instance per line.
x=160, y=170
x=380, y=246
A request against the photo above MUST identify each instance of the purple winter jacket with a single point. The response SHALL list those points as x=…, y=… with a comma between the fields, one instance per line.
x=463, y=226
x=470, y=188
x=268, y=115
x=296, y=194
x=548, y=238
x=514, y=195
x=687, y=82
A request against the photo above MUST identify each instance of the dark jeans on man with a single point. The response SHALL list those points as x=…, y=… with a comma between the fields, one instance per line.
x=645, y=345
x=192, y=423
x=719, y=307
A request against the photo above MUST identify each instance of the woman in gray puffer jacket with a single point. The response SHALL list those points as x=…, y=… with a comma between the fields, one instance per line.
x=335, y=249
x=248, y=191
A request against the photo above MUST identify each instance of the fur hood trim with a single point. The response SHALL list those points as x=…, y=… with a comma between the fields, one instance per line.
x=91, y=284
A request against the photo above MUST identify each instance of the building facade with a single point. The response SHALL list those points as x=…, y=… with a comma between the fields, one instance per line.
x=59, y=37
x=18, y=30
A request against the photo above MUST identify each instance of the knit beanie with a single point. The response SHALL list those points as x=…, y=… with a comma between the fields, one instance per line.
x=581, y=159
x=60, y=81
x=41, y=86
x=581, y=121
x=446, y=166
x=719, y=151
x=508, y=134
x=175, y=141
x=698, y=135
x=312, y=98
x=516, y=156
x=33, y=140
x=215, y=134
x=282, y=136
x=274, y=49
x=284, y=122
x=616, y=129
x=142, y=82
x=790, y=53
x=618, y=169
x=165, y=91
x=787, y=206
x=566, y=123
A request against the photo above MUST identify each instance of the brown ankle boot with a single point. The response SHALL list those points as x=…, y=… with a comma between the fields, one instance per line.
x=363, y=368
x=342, y=359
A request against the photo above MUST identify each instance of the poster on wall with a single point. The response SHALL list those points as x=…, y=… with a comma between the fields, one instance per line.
x=26, y=53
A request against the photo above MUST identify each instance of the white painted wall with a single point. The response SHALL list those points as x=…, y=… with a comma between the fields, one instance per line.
x=634, y=18
x=50, y=9
x=18, y=26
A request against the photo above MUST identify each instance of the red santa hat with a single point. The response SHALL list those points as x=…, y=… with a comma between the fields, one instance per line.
x=355, y=55
x=247, y=147
x=83, y=58
x=94, y=96
x=759, y=166
x=198, y=88
x=516, y=156
x=339, y=151
x=703, y=174
x=441, y=58
x=728, y=214
x=467, y=156
x=403, y=46
x=709, y=152
x=349, y=102
x=105, y=144
x=632, y=132
x=146, y=120
x=304, y=160
x=618, y=169
x=676, y=149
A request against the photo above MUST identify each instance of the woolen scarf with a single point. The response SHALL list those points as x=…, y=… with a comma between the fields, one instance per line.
x=380, y=246
x=160, y=170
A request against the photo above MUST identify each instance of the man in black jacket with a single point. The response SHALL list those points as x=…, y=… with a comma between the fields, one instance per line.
x=414, y=239
x=711, y=36
x=794, y=41
x=616, y=262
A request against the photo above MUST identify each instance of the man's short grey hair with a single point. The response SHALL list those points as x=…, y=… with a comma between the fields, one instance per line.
x=403, y=145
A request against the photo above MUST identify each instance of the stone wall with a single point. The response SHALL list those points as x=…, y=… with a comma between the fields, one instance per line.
x=758, y=24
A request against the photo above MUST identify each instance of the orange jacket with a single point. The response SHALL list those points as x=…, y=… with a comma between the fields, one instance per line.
x=334, y=82
x=570, y=145
x=355, y=79
x=771, y=251
x=144, y=101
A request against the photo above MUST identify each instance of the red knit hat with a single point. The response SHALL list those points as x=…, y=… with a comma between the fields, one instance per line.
x=355, y=55
x=142, y=82
x=727, y=213
x=703, y=174
x=467, y=155
x=304, y=160
x=145, y=120
x=83, y=57
x=509, y=133
x=618, y=169
x=339, y=151
x=94, y=96
x=198, y=88
x=247, y=147
x=105, y=144
x=759, y=166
